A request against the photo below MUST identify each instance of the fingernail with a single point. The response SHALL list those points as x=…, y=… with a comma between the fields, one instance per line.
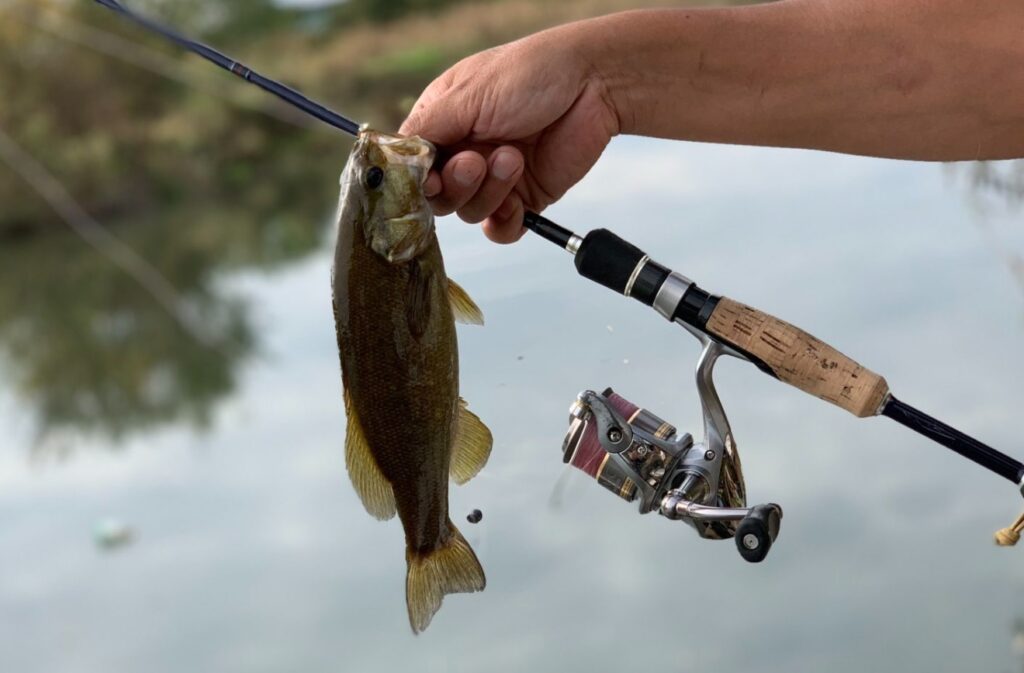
x=465, y=172
x=505, y=166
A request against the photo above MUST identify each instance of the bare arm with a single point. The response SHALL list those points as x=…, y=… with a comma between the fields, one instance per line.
x=911, y=79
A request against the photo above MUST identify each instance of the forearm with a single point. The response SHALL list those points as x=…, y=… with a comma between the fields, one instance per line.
x=914, y=79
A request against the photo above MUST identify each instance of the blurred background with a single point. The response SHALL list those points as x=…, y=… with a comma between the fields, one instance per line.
x=172, y=485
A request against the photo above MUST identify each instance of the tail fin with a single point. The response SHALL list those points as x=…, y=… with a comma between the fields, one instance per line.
x=450, y=569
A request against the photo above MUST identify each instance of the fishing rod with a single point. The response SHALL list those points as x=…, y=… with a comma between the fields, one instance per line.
x=287, y=94
x=631, y=451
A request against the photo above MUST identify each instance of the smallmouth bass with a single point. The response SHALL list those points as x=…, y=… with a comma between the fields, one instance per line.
x=395, y=311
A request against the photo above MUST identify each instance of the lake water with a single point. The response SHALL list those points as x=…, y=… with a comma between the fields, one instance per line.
x=252, y=552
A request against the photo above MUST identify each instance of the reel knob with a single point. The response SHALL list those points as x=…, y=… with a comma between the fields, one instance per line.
x=757, y=531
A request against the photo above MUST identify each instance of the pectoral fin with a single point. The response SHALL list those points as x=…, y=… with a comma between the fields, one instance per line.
x=466, y=312
x=472, y=446
x=373, y=489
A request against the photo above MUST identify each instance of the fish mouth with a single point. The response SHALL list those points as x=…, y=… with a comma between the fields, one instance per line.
x=411, y=151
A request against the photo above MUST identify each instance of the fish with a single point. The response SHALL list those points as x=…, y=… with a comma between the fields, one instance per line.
x=395, y=310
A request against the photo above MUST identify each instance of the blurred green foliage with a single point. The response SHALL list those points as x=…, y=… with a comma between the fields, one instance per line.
x=127, y=141
x=224, y=20
x=422, y=60
x=197, y=184
x=95, y=354
x=382, y=11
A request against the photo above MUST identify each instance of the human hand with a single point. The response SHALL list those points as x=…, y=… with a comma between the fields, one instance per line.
x=519, y=124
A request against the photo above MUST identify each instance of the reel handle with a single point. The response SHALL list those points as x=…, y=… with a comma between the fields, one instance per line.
x=778, y=348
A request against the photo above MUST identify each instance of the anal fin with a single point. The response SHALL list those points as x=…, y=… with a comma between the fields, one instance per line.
x=464, y=309
x=450, y=569
x=472, y=446
x=372, y=488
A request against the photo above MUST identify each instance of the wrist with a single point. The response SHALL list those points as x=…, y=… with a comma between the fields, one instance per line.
x=585, y=50
x=633, y=57
x=598, y=45
x=669, y=72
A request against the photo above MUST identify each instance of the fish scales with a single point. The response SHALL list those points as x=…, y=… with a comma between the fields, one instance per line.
x=406, y=393
x=408, y=431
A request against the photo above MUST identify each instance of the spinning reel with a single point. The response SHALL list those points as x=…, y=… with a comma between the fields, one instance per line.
x=639, y=457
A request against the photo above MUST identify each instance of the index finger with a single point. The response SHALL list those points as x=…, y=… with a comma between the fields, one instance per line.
x=440, y=118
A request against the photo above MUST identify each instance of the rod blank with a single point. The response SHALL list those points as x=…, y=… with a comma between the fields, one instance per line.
x=953, y=439
x=285, y=93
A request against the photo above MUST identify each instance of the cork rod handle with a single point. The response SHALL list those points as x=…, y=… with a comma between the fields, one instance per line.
x=799, y=359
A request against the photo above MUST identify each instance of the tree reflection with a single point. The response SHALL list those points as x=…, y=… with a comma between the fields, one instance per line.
x=91, y=352
x=142, y=138
x=995, y=187
x=1002, y=180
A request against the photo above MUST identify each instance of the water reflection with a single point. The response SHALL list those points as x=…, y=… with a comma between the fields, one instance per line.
x=142, y=140
x=90, y=351
x=998, y=180
x=995, y=192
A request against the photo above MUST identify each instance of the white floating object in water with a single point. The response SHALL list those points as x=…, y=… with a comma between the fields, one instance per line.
x=112, y=534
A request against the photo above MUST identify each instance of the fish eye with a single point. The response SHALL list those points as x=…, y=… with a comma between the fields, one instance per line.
x=374, y=177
